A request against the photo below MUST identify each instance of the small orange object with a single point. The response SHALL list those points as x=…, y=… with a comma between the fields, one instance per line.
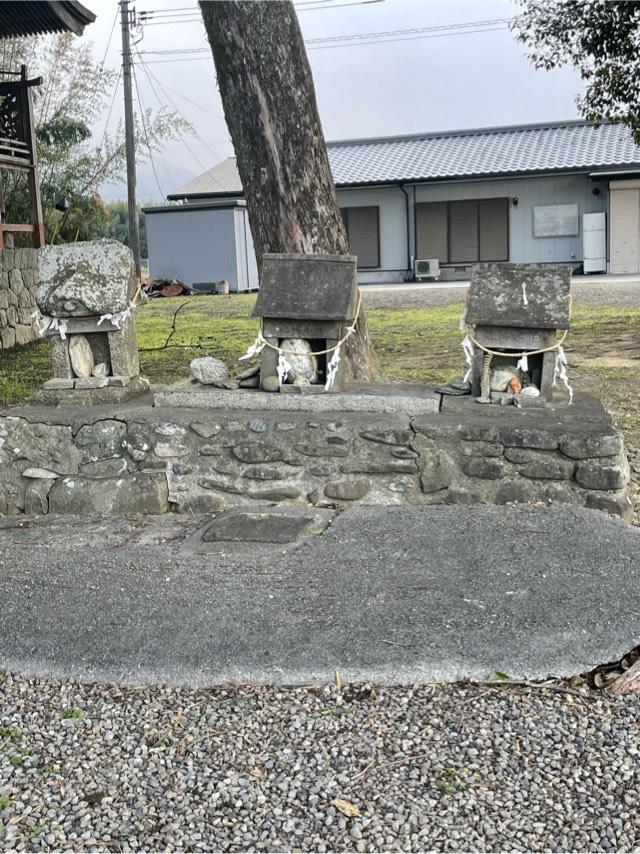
x=514, y=386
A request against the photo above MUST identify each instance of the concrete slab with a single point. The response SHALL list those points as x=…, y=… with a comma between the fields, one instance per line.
x=410, y=399
x=387, y=594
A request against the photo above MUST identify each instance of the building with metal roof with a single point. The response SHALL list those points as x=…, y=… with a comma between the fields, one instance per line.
x=553, y=192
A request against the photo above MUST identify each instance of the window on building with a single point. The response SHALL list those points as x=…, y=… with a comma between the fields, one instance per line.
x=363, y=233
x=463, y=232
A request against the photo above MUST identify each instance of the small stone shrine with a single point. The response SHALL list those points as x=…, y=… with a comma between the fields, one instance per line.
x=516, y=311
x=84, y=305
x=306, y=303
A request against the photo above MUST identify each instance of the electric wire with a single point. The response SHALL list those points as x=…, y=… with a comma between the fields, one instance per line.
x=410, y=31
x=106, y=50
x=190, y=15
x=146, y=133
x=113, y=100
x=357, y=39
x=149, y=76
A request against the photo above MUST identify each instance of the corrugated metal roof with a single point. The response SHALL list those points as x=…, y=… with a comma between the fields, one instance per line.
x=445, y=155
x=20, y=18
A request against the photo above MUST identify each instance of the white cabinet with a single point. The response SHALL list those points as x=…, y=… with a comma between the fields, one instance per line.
x=594, y=242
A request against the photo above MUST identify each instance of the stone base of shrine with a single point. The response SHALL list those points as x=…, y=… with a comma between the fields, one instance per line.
x=414, y=449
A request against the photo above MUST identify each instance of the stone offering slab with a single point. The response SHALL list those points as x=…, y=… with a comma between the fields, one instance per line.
x=411, y=399
x=256, y=528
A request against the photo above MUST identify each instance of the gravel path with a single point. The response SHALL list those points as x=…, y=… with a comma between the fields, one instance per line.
x=609, y=292
x=443, y=768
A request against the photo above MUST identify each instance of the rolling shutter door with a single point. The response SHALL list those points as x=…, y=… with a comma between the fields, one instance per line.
x=362, y=231
x=463, y=232
x=625, y=231
x=494, y=229
x=431, y=231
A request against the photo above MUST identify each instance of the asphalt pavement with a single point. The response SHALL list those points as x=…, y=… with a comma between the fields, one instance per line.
x=395, y=595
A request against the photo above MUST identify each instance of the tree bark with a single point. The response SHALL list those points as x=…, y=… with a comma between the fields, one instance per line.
x=270, y=107
x=629, y=682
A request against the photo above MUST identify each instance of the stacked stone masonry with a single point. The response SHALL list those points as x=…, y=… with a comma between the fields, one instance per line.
x=18, y=285
x=150, y=460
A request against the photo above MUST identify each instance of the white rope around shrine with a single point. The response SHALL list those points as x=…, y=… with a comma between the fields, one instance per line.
x=282, y=368
x=45, y=323
x=561, y=364
x=261, y=342
x=256, y=348
x=118, y=317
x=467, y=348
x=560, y=372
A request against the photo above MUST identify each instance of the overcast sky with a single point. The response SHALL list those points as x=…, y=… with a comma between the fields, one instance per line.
x=438, y=82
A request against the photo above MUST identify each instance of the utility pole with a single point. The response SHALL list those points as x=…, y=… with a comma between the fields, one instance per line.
x=134, y=226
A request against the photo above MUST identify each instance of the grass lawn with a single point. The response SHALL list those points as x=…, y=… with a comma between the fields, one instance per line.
x=413, y=345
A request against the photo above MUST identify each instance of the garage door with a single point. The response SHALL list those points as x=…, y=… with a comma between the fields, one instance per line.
x=625, y=231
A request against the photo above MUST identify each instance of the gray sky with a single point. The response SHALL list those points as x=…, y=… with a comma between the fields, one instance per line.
x=421, y=84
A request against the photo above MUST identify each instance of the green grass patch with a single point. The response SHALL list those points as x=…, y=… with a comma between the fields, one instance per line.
x=72, y=713
x=413, y=345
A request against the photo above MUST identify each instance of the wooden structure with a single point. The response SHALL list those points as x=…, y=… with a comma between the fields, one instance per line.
x=313, y=297
x=18, y=149
x=17, y=131
x=516, y=308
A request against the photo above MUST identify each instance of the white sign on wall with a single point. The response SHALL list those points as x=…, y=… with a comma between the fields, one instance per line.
x=555, y=220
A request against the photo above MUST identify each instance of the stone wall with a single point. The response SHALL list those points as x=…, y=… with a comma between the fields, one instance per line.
x=151, y=460
x=18, y=285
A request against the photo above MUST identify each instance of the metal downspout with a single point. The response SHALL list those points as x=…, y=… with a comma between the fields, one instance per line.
x=409, y=274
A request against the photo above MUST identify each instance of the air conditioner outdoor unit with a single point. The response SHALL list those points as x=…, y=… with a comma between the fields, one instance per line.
x=427, y=268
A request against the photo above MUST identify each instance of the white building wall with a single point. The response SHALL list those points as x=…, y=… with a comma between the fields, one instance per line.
x=393, y=231
x=193, y=245
x=530, y=192
x=523, y=246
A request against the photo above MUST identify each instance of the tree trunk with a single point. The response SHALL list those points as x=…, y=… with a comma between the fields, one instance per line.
x=270, y=106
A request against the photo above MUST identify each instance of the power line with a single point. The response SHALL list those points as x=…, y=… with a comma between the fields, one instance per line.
x=189, y=15
x=150, y=75
x=146, y=134
x=113, y=26
x=113, y=100
x=356, y=40
x=409, y=38
x=410, y=31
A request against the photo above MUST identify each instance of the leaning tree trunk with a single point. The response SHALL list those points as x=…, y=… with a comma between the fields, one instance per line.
x=270, y=106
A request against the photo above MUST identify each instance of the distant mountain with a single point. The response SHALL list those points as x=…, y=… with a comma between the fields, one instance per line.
x=170, y=176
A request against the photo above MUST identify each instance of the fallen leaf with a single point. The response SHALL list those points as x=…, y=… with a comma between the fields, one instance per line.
x=499, y=676
x=346, y=807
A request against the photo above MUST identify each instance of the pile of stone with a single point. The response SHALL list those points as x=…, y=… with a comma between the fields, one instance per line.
x=302, y=371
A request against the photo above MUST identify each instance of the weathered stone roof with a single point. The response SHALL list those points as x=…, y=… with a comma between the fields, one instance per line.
x=307, y=287
x=521, y=295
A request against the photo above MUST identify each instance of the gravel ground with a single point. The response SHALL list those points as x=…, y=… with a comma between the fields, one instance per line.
x=443, y=768
x=623, y=292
